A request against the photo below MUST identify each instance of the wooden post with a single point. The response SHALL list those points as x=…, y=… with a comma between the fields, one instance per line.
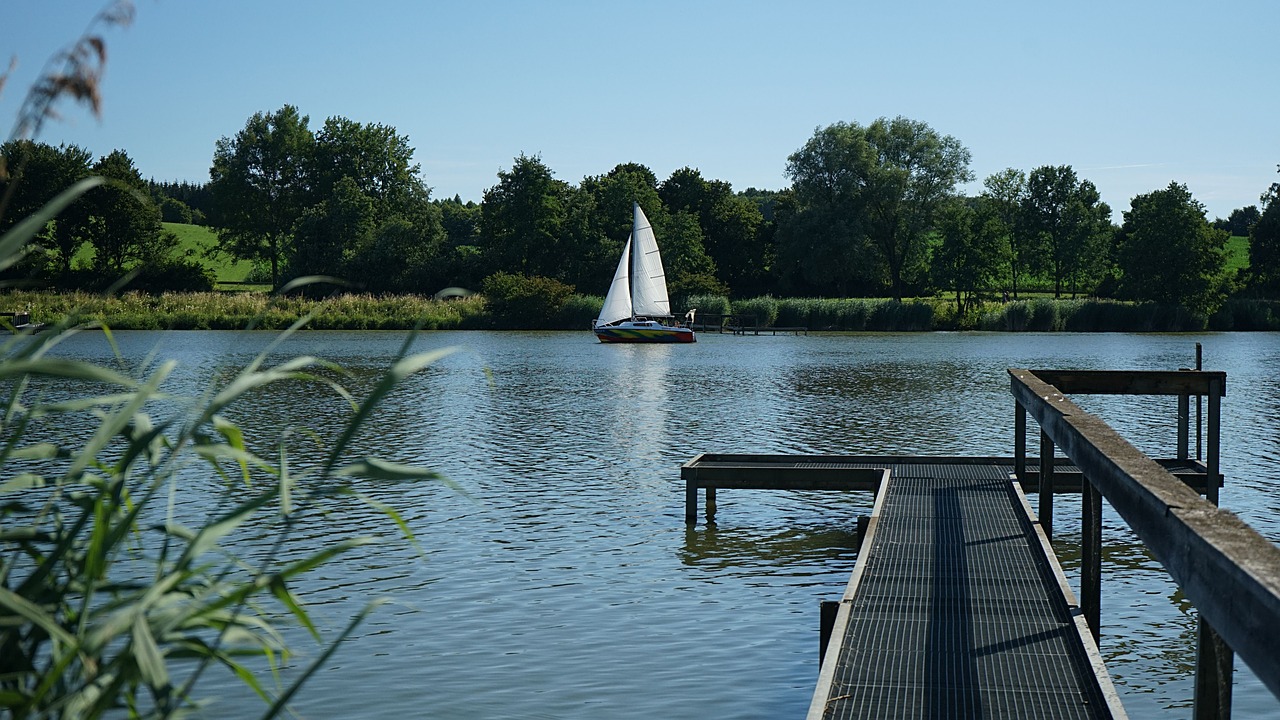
x=1214, y=658
x=1184, y=426
x=711, y=504
x=690, y=502
x=1091, y=558
x=1046, y=484
x=1213, y=675
x=826, y=623
x=1213, y=444
x=1019, y=441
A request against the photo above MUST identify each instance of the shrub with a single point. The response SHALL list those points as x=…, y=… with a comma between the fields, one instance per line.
x=710, y=304
x=522, y=301
x=764, y=310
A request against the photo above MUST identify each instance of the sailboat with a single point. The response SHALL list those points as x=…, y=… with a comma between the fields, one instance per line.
x=637, y=304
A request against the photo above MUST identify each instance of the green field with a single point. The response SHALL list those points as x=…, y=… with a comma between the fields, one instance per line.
x=230, y=273
x=201, y=239
x=1237, y=253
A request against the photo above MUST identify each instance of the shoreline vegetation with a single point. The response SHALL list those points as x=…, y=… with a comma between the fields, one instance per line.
x=236, y=311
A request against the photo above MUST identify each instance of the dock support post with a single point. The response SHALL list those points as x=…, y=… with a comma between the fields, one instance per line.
x=1214, y=658
x=826, y=625
x=1091, y=558
x=1184, y=427
x=1213, y=444
x=1019, y=441
x=690, y=502
x=1046, y=484
x=711, y=504
x=1213, y=675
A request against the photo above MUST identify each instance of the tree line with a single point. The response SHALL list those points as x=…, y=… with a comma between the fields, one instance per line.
x=872, y=211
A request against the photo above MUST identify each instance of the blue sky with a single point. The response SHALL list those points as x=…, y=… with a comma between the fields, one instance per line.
x=1133, y=94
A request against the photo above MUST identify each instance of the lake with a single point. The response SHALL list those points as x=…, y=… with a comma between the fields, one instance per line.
x=557, y=578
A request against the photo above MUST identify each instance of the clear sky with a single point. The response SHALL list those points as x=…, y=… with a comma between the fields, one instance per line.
x=1133, y=94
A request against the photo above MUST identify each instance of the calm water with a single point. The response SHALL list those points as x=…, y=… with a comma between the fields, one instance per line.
x=558, y=579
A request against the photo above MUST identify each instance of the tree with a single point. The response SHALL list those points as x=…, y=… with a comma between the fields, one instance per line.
x=124, y=226
x=1240, y=220
x=889, y=181
x=602, y=216
x=729, y=224
x=690, y=270
x=1004, y=199
x=1169, y=253
x=36, y=173
x=259, y=185
x=1264, y=243
x=328, y=233
x=1071, y=221
x=375, y=157
x=522, y=220
x=972, y=251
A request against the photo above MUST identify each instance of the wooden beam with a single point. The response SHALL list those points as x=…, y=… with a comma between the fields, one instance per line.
x=1135, y=382
x=1226, y=569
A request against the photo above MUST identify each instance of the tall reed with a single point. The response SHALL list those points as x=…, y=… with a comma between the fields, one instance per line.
x=109, y=603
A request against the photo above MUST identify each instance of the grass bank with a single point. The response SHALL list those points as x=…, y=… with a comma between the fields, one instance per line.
x=234, y=311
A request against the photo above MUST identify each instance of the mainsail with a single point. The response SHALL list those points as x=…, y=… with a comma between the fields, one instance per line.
x=648, y=280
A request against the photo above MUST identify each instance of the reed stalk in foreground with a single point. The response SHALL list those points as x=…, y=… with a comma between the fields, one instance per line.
x=108, y=603
x=102, y=589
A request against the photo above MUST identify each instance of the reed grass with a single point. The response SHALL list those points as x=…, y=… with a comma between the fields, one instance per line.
x=1090, y=315
x=109, y=604
x=230, y=311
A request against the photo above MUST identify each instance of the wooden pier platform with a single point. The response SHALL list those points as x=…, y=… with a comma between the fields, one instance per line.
x=957, y=607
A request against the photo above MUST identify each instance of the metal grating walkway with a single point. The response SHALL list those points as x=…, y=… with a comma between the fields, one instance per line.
x=955, y=612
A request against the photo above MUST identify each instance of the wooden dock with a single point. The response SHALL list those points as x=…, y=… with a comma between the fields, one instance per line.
x=957, y=606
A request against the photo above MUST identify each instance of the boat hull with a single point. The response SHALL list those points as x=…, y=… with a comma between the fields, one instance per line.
x=660, y=334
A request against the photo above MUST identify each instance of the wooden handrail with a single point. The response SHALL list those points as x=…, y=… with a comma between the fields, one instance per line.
x=1224, y=567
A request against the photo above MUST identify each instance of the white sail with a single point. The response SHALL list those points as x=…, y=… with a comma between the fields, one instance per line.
x=648, y=280
x=617, y=302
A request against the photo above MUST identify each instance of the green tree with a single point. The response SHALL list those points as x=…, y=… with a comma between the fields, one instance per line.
x=1169, y=253
x=259, y=186
x=1264, y=244
x=890, y=179
x=124, y=227
x=1003, y=200
x=1240, y=220
x=1071, y=221
x=972, y=250
x=376, y=158
x=174, y=211
x=822, y=246
x=690, y=270
x=915, y=174
x=522, y=220
x=36, y=173
x=601, y=218
x=328, y=233
x=730, y=226
x=460, y=255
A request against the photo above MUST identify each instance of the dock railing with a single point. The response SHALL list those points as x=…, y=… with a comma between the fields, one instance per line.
x=1225, y=568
